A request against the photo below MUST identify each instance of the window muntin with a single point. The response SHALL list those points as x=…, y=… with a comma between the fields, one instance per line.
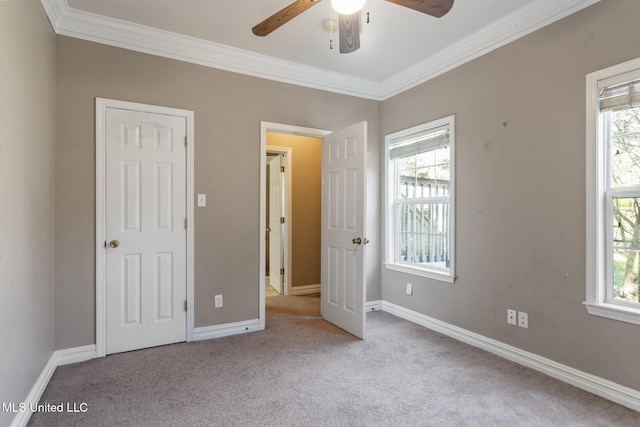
x=420, y=199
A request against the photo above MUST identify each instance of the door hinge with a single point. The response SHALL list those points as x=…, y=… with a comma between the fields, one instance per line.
x=185, y=223
x=282, y=169
x=282, y=271
x=186, y=143
x=281, y=220
x=185, y=305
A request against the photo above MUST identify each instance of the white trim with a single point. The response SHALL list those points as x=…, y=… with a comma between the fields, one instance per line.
x=622, y=395
x=517, y=24
x=22, y=418
x=305, y=289
x=597, y=242
x=58, y=358
x=614, y=311
x=101, y=106
x=389, y=204
x=409, y=269
x=279, y=128
x=101, y=29
x=373, y=306
x=614, y=392
x=75, y=355
x=288, y=154
x=225, y=330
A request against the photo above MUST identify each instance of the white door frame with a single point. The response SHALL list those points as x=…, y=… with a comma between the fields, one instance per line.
x=100, y=254
x=279, y=128
x=288, y=153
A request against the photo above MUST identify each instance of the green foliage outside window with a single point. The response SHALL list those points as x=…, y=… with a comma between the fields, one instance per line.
x=624, y=140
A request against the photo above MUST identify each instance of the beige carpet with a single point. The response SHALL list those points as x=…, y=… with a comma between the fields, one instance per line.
x=302, y=371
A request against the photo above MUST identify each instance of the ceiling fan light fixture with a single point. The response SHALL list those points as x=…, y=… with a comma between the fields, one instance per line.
x=347, y=7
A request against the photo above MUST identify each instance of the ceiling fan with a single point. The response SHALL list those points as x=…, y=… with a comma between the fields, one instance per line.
x=349, y=17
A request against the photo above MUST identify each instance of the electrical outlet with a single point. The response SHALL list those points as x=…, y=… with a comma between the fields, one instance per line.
x=523, y=319
x=218, y=303
x=512, y=317
x=409, y=289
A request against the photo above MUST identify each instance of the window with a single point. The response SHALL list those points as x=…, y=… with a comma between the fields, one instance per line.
x=613, y=192
x=420, y=200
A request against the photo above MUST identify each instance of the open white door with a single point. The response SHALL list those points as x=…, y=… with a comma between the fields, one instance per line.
x=344, y=157
x=276, y=212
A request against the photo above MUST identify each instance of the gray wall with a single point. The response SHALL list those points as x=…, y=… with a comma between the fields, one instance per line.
x=27, y=90
x=228, y=109
x=520, y=134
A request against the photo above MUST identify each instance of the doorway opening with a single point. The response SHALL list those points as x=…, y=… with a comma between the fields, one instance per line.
x=292, y=147
x=294, y=214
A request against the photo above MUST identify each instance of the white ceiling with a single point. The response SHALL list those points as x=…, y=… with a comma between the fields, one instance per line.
x=399, y=47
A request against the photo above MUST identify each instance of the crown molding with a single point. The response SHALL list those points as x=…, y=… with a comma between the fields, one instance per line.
x=114, y=32
x=508, y=28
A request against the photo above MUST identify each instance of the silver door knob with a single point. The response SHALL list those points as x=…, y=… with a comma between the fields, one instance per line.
x=114, y=244
x=357, y=241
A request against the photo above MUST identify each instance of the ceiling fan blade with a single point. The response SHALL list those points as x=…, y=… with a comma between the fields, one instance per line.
x=280, y=18
x=437, y=8
x=349, y=27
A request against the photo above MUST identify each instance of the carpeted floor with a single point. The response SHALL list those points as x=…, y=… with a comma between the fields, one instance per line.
x=302, y=371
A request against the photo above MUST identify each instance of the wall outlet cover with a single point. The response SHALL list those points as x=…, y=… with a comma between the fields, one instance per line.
x=523, y=320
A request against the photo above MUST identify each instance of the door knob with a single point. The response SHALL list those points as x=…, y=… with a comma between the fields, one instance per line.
x=357, y=241
x=114, y=244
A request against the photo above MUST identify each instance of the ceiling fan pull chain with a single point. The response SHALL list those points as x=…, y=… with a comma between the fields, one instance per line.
x=331, y=32
x=368, y=11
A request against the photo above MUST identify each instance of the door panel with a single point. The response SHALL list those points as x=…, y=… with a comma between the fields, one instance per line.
x=145, y=216
x=343, y=219
x=276, y=260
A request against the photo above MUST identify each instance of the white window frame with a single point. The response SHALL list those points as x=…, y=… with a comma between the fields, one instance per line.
x=599, y=236
x=390, y=211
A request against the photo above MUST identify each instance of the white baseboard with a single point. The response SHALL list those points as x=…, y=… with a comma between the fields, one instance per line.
x=304, y=290
x=225, y=330
x=614, y=392
x=58, y=358
x=373, y=306
x=22, y=418
x=75, y=355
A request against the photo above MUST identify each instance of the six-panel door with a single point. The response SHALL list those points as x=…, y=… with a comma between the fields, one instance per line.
x=145, y=229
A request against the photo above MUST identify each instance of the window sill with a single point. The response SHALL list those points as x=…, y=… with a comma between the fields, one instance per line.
x=431, y=274
x=615, y=312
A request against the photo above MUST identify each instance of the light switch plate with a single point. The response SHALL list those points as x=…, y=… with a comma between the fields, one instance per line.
x=202, y=200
